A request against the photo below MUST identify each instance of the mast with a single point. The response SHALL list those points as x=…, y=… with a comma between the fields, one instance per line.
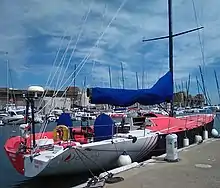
x=184, y=93
x=142, y=79
x=187, y=90
x=33, y=122
x=11, y=83
x=179, y=87
x=119, y=83
x=176, y=88
x=7, y=77
x=200, y=86
x=217, y=85
x=122, y=76
x=84, y=90
x=203, y=84
x=74, y=76
x=74, y=84
x=170, y=47
x=170, y=37
x=110, y=77
x=197, y=83
x=110, y=82
x=198, y=91
x=146, y=79
x=137, y=80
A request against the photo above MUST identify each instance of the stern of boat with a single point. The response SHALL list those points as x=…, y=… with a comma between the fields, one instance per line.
x=16, y=158
x=35, y=166
x=20, y=157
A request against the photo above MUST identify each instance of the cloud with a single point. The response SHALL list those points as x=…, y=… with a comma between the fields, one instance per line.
x=31, y=33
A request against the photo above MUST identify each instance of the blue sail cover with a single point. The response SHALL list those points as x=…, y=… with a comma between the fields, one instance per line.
x=162, y=91
x=65, y=119
x=103, y=127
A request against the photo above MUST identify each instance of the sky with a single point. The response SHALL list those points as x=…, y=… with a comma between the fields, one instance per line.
x=43, y=41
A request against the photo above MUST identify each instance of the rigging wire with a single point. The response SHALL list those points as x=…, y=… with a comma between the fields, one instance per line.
x=94, y=62
x=84, y=163
x=57, y=55
x=77, y=40
x=201, y=45
x=198, y=32
x=73, y=51
x=93, y=161
x=61, y=63
x=12, y=85
x=53, y=66
x=94, y=179
x=83, y=62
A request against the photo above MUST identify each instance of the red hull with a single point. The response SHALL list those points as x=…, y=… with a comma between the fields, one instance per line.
x=12, y=147
x=168, y=125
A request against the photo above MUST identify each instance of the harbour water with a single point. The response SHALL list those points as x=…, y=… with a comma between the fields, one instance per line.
x=10, y=178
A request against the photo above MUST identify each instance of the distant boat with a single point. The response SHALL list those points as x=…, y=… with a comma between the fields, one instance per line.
x=13, y=115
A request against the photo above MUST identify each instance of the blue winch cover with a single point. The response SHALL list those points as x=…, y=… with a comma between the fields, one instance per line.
x=162, y=91
x=103, y=128
x=65, y=119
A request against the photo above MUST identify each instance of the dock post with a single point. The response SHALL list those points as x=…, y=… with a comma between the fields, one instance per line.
x=171, y=148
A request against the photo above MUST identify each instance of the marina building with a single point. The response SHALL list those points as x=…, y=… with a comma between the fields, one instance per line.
x=69, y=96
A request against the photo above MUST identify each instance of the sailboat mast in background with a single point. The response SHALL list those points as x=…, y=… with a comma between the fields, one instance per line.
x=187, y=91
x=137, y=80
x=203, y=85
x=7, y=76
x=142, y=79
x=110, y=77
x=217, y=85
x=122, y=76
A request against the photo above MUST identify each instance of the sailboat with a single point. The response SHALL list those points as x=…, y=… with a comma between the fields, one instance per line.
x=75, y=150
x=12, y=113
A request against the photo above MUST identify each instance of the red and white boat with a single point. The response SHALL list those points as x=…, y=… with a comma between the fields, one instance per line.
x=51, y=153
x=101, y=146
x=57, y=156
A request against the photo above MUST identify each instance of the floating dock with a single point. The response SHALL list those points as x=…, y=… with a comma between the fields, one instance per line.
x=198, y=167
